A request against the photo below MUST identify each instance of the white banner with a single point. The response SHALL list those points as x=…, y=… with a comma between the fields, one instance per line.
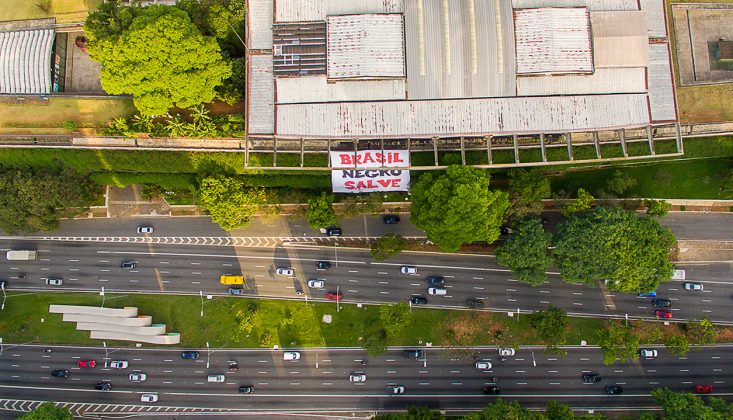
x=370, y=180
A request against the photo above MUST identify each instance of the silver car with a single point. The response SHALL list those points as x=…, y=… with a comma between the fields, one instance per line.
x=316, y=283
x=408, y=269
x=284, y=271
x=357, y=377
x=53, y=281
x=119, y=364
x=506, y=352
x=395, y=389
x=691, y=285
x=138, y=377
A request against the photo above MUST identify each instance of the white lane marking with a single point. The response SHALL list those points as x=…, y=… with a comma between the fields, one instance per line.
x=227, y=265
x=353, y=271
x=104, y=261
x=512, y=300
x=478, y=288
x=195, y=272
x=545, y=302
x=353, y=281
x=73, y=260
x=163, y=262
x=382, y=272
x=352, y=291
x=104, y=270
x=383, y=282
x=165, y=272
x=511, y=290
x=384, y=293
x=577, y=304
x=478, y=278
x=195, y=263
x=326, y=383
x=391, y=371
x=424, y=383
x=544, y=291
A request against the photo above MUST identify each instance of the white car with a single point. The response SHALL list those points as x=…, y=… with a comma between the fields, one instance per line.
x=357, y=377
x=648, y=353
x=119, y=364
x=483, y=365
x=408, y=269
x=437, y=291
x=506, y=352
x=149, y=398
x=316, y=283
x=144, y=229
x=395, y=389
x=53, y=281
x=691, y=285
x=284, y=271
x=291, y=355
x=138, y=377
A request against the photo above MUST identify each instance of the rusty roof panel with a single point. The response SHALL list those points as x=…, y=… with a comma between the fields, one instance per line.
x=311, y=10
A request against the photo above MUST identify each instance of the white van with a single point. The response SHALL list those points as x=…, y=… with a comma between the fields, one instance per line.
x=437, y=291
x=216, y=378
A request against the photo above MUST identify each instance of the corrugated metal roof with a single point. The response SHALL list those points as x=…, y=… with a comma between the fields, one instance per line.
x=593, y=5
x=553, y=40
x=459, y=49
x=655, y=23
x=25, y=61
x=661, y=93
x=620, y=39
x=318, y=89
x=312, y=10
x=462, y=116
x=362, y=46
x=259, y=23
x=607, y=80
x=261, y=116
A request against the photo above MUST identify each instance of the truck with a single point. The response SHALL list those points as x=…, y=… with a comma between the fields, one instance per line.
x=227, y=279
x=21, y=255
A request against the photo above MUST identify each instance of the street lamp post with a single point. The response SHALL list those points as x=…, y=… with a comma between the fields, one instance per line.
x=201, y=293
x=336, y=253
x=337, y=299
x=1, y=345
x=5, y=296
x=534, y=362
x=208, y=355
x=106, y=353
x=103, y=297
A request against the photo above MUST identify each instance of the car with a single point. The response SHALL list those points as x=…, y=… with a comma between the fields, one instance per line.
x=316, y=283
x=149, y=398
x=86, y=363
x=408, y=269
x=60, y=373
x=507, y=352
x=216, y=378
x=235, y=291
x=691, y=285
x=119, y=364
x=53, y=281
x=661, y=303
x=492, y=390
x=435, y=280
x=323, y=265
x=246, y=389
x=418, y=300
x=138, y=377
x=291, y=355
x=413, y=354
x=334, y=231
x=703, y=389
x=193, y=355
x=357, y=377
x=103, y=386
x=474, y=304
x=284, y=271
x=662, y=314
x=128, y=264
x=483, y=365
x=395, y=389
x=144, y=229
x=334, y=296
x=648, y=353
x=590, y=378
x=614, y=389
x=391, y=219
x=653, y=293
x=437, y=291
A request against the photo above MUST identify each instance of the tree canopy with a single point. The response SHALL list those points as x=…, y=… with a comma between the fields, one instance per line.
x=320, y=213
x=48, y=411
x=691, y=407
x=525, y=252
x=527, y=189
x=550, y=325
x=629, y=252
x=394, y=317
x=458, y=207
x=228, y=202
x=618, y=342
x=582, y=203
x=388, y=245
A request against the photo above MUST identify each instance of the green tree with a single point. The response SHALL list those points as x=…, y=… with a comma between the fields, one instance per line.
x=36, y=200
x=388, y=245
x=162, y=59
x=558, y=411
x=527, y=189
x=550, y=325
x=320, y=213
x=230, y=205
x=394, y=318
x=357, y=204
x=376, y=342
x=414, y=413
x=525, y=252
x=48, y=411
x=583, y=203
x=702, y=333
x=458, y=207
x=620, y=183
x=658, y=208
x=504, y=410
x=618, y=342
x=677, y=345
x=683, y=406
x=631, y=253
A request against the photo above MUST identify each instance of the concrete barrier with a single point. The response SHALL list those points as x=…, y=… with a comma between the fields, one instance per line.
x=157, y=329
x=139, y=321
x=168, y=339
x=127, y=312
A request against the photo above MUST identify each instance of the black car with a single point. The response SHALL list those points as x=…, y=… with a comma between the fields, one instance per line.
x=323, y=265
x=435, y=280
x=190, y=355
x=474, y=303
x=614, y=389
x=413, y=354
x=333, y=231
x=60, y=373
x=128, y=264
x=492, y=390
x=418, y=300
x=103, y=386
x=391, y=219
x=661, y=303
x=247, y=389
x=591, y=377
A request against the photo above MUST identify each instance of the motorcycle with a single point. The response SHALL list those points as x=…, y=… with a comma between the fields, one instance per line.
x=233, y=365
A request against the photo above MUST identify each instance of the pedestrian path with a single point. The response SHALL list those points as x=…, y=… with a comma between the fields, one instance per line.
x=92, y=410
x=224, y=241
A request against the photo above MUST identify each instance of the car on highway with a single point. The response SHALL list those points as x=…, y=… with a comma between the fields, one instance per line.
x=691, y=285
x=60, y=373
x=413, y=354
x=103, y=386
x=418, y=300
x=144, y=229
x=662, y=303
x=236, y=291
x=507, y=352
x=435, y=280
x=128, y=264
x=590, y=378
x=483, y=365
x=316, y=283
x=474, y=304
x=119, y=364
x=648, y=353
x=391, y=219
x=53, y=281
x=614, y=389
x=149, y=398
x=437, y=291
x=357, y=377
x=703, y=389
x=334, y=296
x=334, y=231
x=138, y=377
x=284, y=271
x=291, y=355
x=86, y=363
x=408, y=269
x=653, y=293
x=662, y=314
x=492, y=390
x=216, y=378
x=323, y=265
x=193, y=355
x=395, y=389
x=246, y=389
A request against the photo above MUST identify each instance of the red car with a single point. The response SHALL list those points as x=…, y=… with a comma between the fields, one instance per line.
x=334, y=296
x=703, y=389
x=86, y=363
x=663, y=314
